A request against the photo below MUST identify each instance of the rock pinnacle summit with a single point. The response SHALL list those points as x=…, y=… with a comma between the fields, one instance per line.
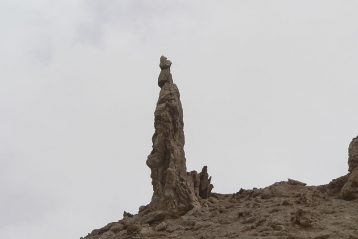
x=174, y=189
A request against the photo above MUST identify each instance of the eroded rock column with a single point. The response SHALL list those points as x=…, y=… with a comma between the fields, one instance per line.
x=172, y=188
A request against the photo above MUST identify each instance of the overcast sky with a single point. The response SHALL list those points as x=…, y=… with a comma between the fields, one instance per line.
x=269, y=91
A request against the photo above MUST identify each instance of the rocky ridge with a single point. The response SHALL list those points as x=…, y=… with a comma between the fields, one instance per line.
x=183, y=205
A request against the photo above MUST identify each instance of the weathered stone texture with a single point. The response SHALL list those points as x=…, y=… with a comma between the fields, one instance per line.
x=167, y=162
x=350, y=189
x=205, y=185
x=353, y=155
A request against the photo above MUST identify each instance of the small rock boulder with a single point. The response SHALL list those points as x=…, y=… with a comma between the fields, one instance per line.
x=302, y=218
x=295, y=182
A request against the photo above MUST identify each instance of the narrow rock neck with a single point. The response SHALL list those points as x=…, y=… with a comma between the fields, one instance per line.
x=164, y=77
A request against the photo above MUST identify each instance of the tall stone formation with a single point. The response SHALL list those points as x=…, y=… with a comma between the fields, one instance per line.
x=174, y=188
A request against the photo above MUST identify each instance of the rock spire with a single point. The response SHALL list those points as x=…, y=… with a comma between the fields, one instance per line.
x=174, y=189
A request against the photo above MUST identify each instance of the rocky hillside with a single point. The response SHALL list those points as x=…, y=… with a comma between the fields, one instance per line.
x=183, y=205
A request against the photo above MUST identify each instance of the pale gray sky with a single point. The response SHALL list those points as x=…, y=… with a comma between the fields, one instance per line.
x=269, y=90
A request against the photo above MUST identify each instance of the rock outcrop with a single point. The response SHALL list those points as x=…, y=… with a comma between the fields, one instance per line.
x=346, y=187
x=205, y=185
x=174, y=189
x=353, y=155
x=350, y=188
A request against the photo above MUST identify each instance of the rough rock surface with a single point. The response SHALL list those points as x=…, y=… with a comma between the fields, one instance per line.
x=349, y=190
x=346, y=186
x=175, y=191
x=183, y=205
x=205, y=185
x=167, y=159
x=353, y=155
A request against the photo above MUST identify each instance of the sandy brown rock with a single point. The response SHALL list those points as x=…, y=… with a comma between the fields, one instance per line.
x=173, y=191
x=346, y=187
x=335, y=186
x=302, y=218
x=350, y=189
x=205, y=185
x=353, y=155
x=295, y=182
